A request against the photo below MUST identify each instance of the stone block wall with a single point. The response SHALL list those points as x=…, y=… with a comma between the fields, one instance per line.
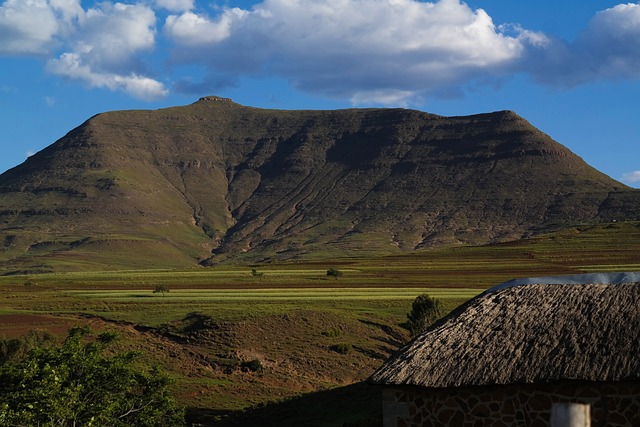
x=528, y=405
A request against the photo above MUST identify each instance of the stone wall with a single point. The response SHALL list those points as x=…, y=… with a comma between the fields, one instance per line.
x=612, y=404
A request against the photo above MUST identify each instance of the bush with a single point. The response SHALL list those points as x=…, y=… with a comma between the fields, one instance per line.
x=161, y=289
x=75, y=384
x=257, y=274
x=254, y=365
x=15, y=349
x=333, y=332
x=342, y=348
x=334, y=272
x=424, y=312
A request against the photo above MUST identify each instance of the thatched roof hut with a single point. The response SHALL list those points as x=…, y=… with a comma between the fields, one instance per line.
x=582, y=329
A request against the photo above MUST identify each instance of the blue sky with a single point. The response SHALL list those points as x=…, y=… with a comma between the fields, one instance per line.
x=572, y=68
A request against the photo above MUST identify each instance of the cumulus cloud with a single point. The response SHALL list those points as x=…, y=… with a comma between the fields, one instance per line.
x=631, y=177
x=386, y=97
x=190, y=29
x=72, y=66
x=106, y=48
x=31, y=26
x=608, y=49
x=113, y=34
x=613, y=39
x=175, y=5
x=365, y=50
x=101, y=45
x=394, y=52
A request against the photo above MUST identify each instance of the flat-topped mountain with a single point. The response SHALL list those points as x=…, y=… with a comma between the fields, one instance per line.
x=216, y=180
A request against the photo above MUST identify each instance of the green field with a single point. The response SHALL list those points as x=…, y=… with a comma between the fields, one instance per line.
x=305, y=294
x=208, y=322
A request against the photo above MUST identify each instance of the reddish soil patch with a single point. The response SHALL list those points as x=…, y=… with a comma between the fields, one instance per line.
x=16, y=325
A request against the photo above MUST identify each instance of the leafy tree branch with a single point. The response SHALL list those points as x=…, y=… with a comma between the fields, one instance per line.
x=76, y=384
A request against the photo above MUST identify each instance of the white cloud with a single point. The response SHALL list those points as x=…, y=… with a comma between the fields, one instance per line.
x=175, y=5
x=365, y=50
x=613, y=39
x=106, y=48
x=608, y=48
x=190, y=29
x=392, y=52
x=101, y=45
x=30, y=26
x=111, y=35
x=68, y=10
x=395, y=51
x=70, y=65
x=400, y=98
x=631, y=177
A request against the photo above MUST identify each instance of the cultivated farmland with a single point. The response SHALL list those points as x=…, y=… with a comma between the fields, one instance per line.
x=279, y=342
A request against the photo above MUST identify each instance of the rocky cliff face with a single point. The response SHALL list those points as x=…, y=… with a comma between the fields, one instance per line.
x=214, y=180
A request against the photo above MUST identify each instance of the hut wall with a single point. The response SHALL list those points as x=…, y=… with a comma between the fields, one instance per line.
x=612, y=404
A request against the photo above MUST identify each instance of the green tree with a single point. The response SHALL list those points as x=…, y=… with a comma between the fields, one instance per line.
x=161, y=289
x=76, y=384
x=424, y=312
x=334, y=272
x=257, y=274
x=17, y=348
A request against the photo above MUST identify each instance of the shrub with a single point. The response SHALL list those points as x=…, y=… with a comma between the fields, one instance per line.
x=333, y=332
x=162, y=289
x=15, y=349
x=342, y=348
x=424, y=312
x=254, y=365
x=75, y=384
x=334, y=272
x=257, y=274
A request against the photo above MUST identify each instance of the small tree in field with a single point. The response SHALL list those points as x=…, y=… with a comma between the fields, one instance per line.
x=257, y=274
x=75, y=384
x=424, y=312
x=334, y=272
x=162, y=289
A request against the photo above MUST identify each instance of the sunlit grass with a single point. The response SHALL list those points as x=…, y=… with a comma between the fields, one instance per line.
x=307, y=294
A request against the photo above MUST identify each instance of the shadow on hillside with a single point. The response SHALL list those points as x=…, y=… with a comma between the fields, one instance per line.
x=356, y=405
x=397, y=340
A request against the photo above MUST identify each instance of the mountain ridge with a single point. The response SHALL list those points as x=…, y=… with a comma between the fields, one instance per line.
x=215, y=181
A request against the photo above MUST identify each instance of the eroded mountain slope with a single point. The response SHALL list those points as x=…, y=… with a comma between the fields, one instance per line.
x=215, y=180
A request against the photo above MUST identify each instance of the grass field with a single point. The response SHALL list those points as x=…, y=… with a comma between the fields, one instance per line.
x=602, y=247
x=209, y=322
x=304, y=294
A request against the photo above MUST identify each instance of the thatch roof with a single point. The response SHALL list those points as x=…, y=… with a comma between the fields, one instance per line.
x=521, y=332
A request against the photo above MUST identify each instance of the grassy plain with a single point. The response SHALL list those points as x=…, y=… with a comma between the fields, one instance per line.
x=291, y=317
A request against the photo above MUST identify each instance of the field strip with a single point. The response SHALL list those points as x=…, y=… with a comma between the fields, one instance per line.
x=277, y=294
x=235, y=272
x=614, y=268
